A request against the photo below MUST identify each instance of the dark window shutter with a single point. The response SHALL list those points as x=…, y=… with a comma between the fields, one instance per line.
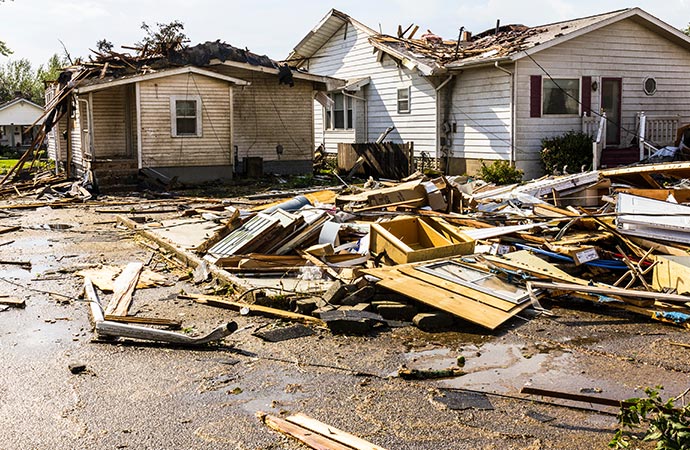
x=535, y=96
x=586, y=96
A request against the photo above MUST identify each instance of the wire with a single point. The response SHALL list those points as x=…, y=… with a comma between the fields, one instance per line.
x=43, y=292
x=634, y=133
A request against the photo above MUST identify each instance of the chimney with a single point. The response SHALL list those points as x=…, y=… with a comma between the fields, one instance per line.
x=466, y=36
x=498, y=25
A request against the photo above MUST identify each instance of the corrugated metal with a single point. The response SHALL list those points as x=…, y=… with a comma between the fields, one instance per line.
x=624, y=49
x=160, y=149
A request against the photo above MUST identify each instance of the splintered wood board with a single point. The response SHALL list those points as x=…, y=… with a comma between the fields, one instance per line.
x=123, y=288
x=527, y=262
x=450, y=301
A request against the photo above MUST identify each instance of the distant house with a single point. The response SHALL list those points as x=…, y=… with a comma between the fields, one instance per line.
x=497, y=94
x=200, y=117
x=16, y=119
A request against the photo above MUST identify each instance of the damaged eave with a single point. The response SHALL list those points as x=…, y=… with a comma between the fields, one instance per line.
x=460, y=65
x=408, y=60
x=326, y=81
x=160, y=74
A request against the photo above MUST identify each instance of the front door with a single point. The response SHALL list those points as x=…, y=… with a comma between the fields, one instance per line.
x=611, y=104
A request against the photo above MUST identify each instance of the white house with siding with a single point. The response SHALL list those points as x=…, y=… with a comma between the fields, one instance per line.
x=193, y=123
x=17, y=117
x=381, y=91
x=496, y=95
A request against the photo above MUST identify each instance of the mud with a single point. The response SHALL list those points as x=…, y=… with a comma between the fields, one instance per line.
x=153, y=396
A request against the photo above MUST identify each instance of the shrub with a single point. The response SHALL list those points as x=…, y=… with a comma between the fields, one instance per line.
x=500, y=172
x=572, y=149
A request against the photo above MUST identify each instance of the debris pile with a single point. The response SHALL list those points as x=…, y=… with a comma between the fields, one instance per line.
x=437, y=252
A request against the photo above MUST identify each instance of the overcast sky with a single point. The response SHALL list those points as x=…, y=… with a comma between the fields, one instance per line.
x=33, y=28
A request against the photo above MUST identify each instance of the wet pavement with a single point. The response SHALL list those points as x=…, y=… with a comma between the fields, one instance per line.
x=158, y=397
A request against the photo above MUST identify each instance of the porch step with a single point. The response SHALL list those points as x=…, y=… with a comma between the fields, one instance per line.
x=614, y=157
x=116, y=175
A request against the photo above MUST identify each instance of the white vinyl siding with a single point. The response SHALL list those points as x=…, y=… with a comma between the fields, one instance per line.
x=624, y=50
x=350, y=56
x=110, y=125
x=481, y=112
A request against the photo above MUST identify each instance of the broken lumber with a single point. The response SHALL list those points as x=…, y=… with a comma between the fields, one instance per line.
x=110, y=329
x=175, y=324
x=187, y=258
x=315, y=434
x=574, y=397
x=123, y=288
x=12, y=301
x=222, y=302
x=610, y=290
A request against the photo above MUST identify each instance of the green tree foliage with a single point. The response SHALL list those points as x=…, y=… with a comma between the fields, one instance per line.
x=18, y=78
x=668, y=425
x=500, y=172
x=686, y=30
x=164, y=39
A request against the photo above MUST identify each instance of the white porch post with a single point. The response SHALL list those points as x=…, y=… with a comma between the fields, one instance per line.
x=137, y=91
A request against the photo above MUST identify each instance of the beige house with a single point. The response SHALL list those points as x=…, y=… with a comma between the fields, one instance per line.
x=192, y=123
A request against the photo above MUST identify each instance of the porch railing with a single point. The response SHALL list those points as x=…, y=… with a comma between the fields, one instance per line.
x=598, y=138
x=656, y=131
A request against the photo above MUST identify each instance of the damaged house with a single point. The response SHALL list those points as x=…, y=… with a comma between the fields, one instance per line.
x=496, y=95
x=204, y=113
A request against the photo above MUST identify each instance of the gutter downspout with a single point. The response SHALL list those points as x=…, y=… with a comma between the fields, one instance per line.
x=438, y=118
x=512, y=109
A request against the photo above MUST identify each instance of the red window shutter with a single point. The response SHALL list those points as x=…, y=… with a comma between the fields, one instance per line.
x=535, y=96
x=586, y=96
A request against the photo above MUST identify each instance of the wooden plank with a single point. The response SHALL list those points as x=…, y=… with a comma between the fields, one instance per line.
x=614, y=291
x=145, y=321
x=525, y=261
x=308, y=437
x=4, y=230
x=575, y=397
x=222, y=302
x=487, y=299
x=12, y=301
x=331, y=432
x=451, y=302
x=123, y=288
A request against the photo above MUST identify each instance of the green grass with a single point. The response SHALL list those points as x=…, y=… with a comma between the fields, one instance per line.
x=7, y=164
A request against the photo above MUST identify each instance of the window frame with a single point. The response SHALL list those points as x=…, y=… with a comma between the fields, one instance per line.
x=556, y=81
x=173, y=115
x=408, y=92
x=348, y=113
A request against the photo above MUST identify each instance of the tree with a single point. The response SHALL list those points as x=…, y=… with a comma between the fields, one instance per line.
x=686, y=30
x=167, y=38
x=18, y=78
x=53, y=68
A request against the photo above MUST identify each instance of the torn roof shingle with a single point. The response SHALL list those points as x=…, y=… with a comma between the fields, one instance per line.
x=510, y=40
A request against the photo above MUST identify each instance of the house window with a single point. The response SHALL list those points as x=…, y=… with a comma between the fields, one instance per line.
x=404, y=100
x=339, y=115
x=561, y=96
x=650, y=86
x=185, y=114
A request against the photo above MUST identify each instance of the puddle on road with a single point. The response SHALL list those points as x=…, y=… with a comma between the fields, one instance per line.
x=505, y=368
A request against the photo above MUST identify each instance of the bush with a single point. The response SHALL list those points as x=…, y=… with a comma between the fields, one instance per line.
x=572, y=149
x=500, y=172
